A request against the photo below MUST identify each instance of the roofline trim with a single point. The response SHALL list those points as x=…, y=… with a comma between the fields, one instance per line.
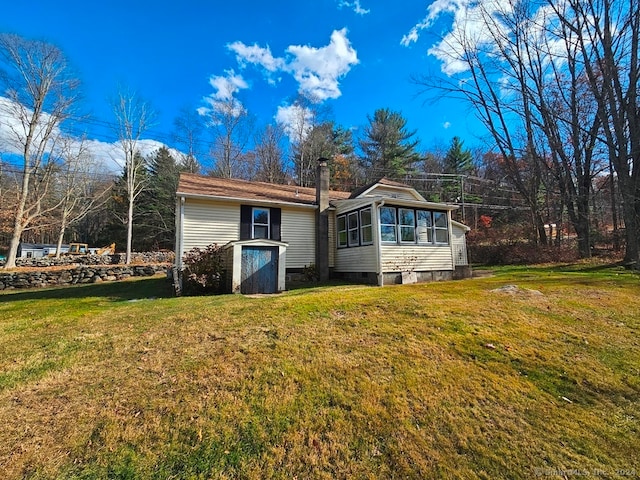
x=200, y=196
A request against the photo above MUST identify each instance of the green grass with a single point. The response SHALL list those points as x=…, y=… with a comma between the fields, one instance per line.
x=440, y=380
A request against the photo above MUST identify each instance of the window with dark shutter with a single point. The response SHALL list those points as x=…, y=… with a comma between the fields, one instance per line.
x=251, y=225
x=276, y=219
x=245, y=222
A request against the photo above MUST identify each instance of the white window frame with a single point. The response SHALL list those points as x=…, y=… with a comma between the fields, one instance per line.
x=437, y=229
x=406, y=226
x=368, y=226
x=394, y=225
x=429, y=228
x=254, y=224
x=344, y=230
x=356, y=229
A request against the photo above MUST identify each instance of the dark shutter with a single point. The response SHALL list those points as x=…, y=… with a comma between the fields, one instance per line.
x=276, y=216
x=245, y=222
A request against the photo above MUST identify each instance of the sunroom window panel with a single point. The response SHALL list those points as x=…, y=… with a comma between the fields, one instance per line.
x=442, y=236
x=407, y=225
x=424, y=226
x=388, y=232
x=387, y=216
x=366, y=230
x=441, y=227
x=342, y=231
x=440, y=219
x=354, y=234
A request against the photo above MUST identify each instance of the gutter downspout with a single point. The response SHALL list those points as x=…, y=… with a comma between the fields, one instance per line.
x=180, y=249
x=378, y=248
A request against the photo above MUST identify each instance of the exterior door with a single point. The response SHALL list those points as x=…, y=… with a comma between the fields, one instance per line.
x=259, y=270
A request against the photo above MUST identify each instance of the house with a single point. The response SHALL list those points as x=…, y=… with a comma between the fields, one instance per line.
x=38, y=250
x=383, y=233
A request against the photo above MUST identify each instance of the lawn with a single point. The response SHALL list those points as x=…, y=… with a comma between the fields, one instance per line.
x=440, y=380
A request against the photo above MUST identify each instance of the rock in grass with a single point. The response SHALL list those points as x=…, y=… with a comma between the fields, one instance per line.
x=516, y=290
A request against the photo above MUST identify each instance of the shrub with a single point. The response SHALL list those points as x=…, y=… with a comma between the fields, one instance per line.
x=203, y=271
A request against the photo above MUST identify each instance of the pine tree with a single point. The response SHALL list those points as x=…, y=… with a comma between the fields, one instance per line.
x=457, y=160
x=155, y=217
x=388, y=147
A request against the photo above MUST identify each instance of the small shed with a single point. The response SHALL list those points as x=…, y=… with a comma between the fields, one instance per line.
x=256, y=266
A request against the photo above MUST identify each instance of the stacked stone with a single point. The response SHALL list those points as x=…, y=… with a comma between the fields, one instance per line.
x=80, y=274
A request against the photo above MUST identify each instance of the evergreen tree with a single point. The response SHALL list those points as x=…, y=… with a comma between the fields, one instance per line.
x=156, y=213
x=457, y=160
x=388, y=147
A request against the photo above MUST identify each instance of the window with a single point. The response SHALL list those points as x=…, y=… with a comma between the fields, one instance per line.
x=260, y=223
x=441, y=229
x=366, y=230
x=342, y=231
x=388, y=224
x=352, y=223
x=407, y=225
x=424, y=229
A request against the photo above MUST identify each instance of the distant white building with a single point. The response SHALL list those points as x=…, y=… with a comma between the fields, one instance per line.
x=38, y=250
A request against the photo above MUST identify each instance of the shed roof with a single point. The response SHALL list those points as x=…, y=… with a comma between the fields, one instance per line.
x=198, y=185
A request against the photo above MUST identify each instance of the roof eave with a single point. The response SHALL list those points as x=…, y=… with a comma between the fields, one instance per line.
x=202, y=196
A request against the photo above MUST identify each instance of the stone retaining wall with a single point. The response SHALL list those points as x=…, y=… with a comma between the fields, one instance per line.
x=115, y=259
x=79, y=274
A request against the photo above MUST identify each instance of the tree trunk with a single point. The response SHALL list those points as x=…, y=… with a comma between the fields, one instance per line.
x=18, y=225
x=129, y=230
x=60, y=238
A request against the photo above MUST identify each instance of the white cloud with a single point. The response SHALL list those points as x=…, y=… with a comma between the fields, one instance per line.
x=223, y=98
x=317, y=70
x=109, y=155
x=476, y=25
x=355, y=5
x=446, y=125
x=296, y=121
x=256, y=55
x=12, y=130
x=435, y=10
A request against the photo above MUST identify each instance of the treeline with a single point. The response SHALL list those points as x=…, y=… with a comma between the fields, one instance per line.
x=555, y=85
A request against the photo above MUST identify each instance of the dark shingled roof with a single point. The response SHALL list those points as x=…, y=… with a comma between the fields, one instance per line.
x=191, y=184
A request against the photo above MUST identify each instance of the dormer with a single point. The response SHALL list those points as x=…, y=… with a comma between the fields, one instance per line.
x=389, y=189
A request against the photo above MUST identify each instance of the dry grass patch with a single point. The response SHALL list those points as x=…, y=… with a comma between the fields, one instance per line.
x=443, y=380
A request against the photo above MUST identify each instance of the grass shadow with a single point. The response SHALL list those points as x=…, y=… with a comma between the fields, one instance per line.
x=131, y=289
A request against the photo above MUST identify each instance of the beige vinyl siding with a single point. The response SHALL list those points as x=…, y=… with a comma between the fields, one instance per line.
x=207, y=222
x=298, y=229
x=419, y=258
x=459, y=244
x=392, y=193
x=332, y=239
x=356, y=259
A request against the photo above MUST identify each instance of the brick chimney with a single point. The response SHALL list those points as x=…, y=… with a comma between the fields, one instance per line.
x=322, y=219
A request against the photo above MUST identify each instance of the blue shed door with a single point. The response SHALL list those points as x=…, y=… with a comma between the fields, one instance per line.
x=259, y=270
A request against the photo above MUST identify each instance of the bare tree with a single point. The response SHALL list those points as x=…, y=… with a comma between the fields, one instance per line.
x=189, y=127
x=232, y=126
x=134, y=117
x=270, y=155
x=40, y=93
x=608, y=35
x=305, y=115
x=77, y=186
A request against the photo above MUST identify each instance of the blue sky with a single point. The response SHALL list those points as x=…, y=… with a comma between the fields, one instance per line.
x=357, y=56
